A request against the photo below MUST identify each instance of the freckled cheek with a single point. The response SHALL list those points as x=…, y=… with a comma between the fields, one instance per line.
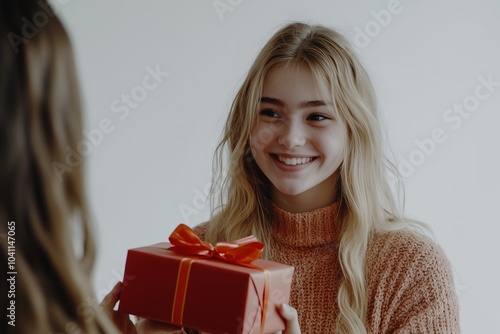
x=261, y=136
x=255, y=146
x=331, y=148
x=257, y=151
x=339, y=147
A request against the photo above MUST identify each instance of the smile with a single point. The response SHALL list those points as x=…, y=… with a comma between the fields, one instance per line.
x=294, y=161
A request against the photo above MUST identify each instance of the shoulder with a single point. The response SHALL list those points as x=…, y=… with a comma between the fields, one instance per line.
x=410, y=283
x=404, y=244
x=408, y=247
x=407, y=252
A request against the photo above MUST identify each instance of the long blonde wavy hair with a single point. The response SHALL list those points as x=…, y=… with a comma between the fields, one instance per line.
x=241, y=192
x=40, y=116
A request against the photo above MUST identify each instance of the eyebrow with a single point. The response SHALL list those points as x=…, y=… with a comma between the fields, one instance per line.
x=302, y=105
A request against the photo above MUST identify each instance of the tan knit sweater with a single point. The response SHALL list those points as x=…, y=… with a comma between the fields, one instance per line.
x=408, y=277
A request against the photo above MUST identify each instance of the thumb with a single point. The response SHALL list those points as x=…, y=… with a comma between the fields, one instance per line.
x=289, y=314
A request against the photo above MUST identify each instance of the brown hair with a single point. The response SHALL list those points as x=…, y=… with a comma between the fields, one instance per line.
x=40, y=117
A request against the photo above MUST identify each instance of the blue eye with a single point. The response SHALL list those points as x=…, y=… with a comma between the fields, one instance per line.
x=269, y=113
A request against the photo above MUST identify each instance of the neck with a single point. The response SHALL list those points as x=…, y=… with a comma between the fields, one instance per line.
x=317, y=197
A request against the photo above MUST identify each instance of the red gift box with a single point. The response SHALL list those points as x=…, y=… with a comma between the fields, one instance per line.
x=219, y=290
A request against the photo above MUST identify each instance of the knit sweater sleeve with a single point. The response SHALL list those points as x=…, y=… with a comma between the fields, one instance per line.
x=410, y=285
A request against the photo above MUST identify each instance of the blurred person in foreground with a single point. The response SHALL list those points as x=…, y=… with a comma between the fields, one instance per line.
x=42, y=197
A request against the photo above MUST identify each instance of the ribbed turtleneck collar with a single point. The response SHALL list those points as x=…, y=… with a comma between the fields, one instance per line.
x=314, y=228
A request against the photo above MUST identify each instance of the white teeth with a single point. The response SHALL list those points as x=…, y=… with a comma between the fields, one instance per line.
x=294, y=161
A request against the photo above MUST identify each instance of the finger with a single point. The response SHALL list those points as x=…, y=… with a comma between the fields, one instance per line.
x=291, y=318
x=112, y=297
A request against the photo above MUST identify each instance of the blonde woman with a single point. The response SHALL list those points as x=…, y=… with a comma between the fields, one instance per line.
x=307, y=175
x=42, y=198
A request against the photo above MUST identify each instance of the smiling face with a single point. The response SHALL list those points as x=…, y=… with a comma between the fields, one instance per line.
x=296, y=141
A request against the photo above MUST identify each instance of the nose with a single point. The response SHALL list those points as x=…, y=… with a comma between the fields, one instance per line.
x=292, y=135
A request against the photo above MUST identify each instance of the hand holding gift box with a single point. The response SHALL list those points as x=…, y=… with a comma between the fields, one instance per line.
x=217, y=289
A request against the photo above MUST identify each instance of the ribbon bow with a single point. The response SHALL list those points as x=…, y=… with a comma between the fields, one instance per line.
x=242, y=251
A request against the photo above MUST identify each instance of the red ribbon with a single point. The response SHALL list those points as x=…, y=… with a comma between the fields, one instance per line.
x=242, y=252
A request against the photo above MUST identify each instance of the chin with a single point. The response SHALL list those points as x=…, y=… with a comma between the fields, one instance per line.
x=291, y=190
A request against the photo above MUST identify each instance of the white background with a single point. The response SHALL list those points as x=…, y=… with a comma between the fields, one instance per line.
x=156, y=161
